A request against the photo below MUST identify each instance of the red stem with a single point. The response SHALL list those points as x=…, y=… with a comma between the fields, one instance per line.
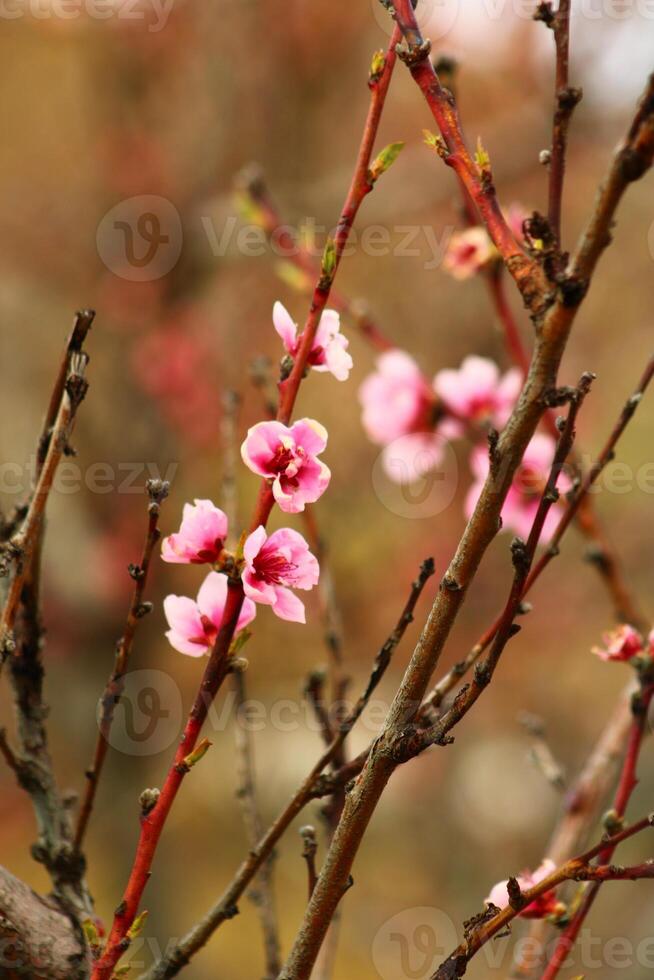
x=152, y=825
x=625, y=788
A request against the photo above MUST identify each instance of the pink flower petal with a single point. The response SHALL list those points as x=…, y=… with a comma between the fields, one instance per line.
x=285, y=326
x=288, y=606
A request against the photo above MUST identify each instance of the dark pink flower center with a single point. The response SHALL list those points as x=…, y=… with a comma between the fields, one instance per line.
x=466, y=251
x=208, y=636
x=209, y=554
x=283, y=458
x=271, y=566
x=317, y=355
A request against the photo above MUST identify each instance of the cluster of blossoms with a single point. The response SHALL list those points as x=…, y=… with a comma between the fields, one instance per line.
x=413, y=420
x=270, y=566
x=546, y=904
x=624, y=643
x=472, y=250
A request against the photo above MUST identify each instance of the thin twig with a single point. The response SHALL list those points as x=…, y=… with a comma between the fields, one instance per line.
x=554, y=321
x=229, y=456
x=576, y=869
x=447, y=683
x=626, y=786
x=523, y=556
x=218, y=664
x=251, y=182
x=226, y=908
x=24, y=544
x=22, y=637
x=565, y=100
x=581, y=806
x=309, y=848
x=246, y=792
x=157, y=492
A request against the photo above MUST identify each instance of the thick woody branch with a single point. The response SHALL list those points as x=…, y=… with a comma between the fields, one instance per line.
x=38, y=937
x=633, y=158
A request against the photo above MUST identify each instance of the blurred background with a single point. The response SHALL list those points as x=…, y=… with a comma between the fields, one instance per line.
x=112, y=112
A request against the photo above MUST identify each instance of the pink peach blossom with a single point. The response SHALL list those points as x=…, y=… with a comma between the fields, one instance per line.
x=401, y=413
x=276, y=564
x=329, y=349
x=194, y=624
x=477, y=392
x=467, y=252
x=621, y=643
x=201, y=536
x=396, y=399
x=524, y=495
x=545, y=904
x=288, y=457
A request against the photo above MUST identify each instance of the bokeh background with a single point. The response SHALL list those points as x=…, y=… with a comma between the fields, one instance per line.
x=141, y=101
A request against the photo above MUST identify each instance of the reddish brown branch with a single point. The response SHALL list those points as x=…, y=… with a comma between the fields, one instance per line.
x=626, y=785
x=631, y=161
x=477, y=182
x=576, y=869
x=251, y=182
x=177, y=958
x=218, y=664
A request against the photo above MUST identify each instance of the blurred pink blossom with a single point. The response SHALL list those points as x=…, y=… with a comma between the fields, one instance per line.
x=621, y=643
x=289, y=458
x=276, y=564
x=524, y=494
x=545, y=904
x=468, y=251
x=477, y=392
